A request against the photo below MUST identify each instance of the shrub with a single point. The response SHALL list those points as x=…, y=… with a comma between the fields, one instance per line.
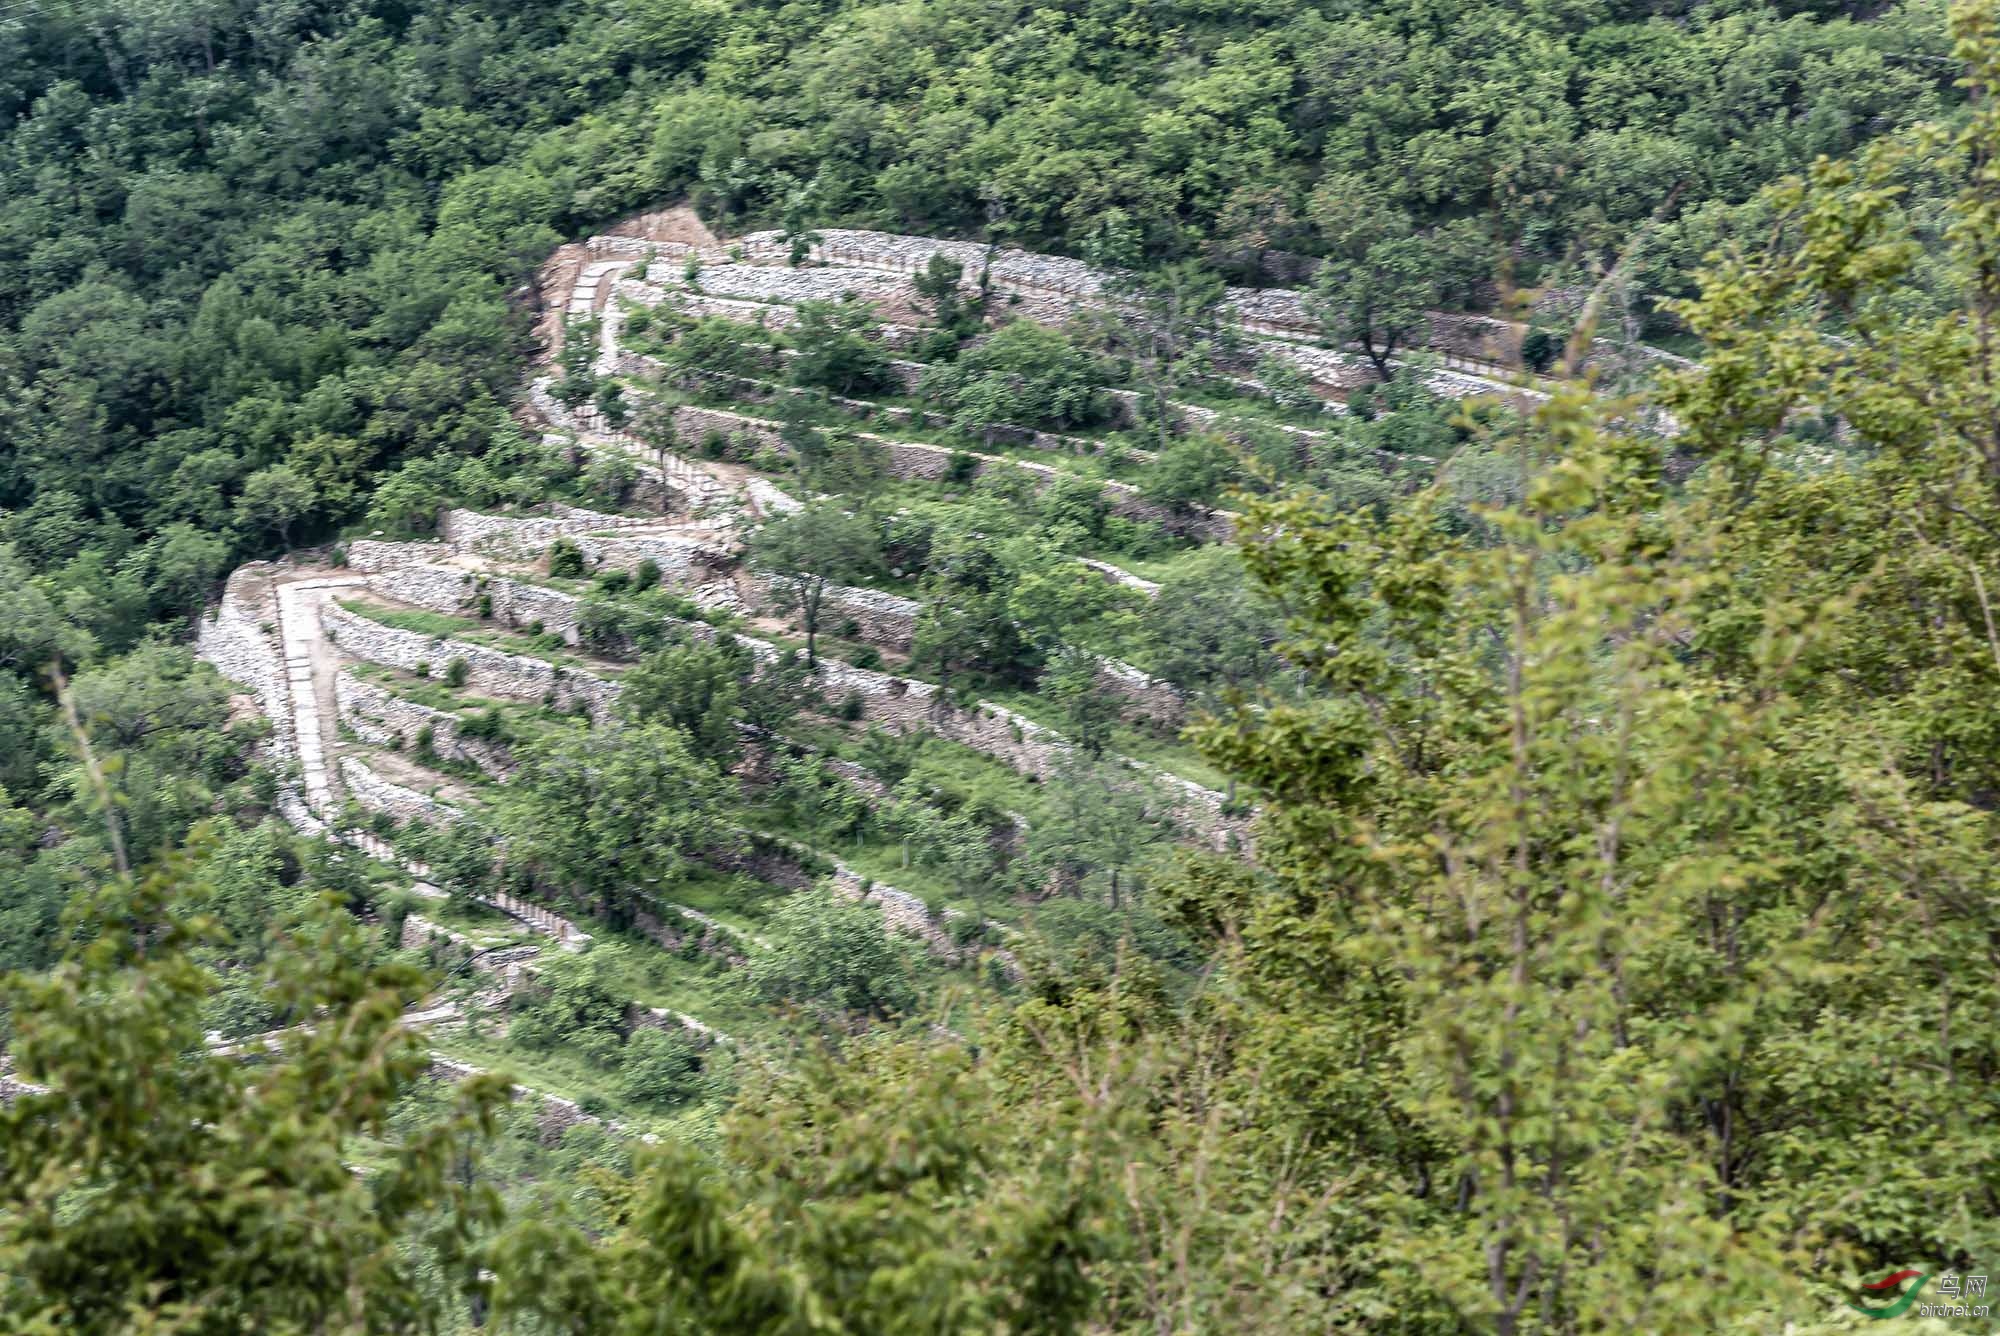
x=867, y=657
x=456, y=672
x=961, y=468
x=422, y=670
x=565, y=559
x=339, y=556
x=853, y=706
x=489, y=726
x=646, y=576
x=662, y=1068
x=614, y=582
x=1540, y=349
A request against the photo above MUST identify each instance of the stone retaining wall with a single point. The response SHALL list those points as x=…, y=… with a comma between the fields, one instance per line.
x=490, y=671
x=420, y=933
x=1144, y=696
x=377, y=794
x=882, y=619
x=454, y=592
x=916, y=460
x=235, y=641
x=684, y=562
x=374, y=554
x=517, y=537
x=383, y=719
x=555, y=1116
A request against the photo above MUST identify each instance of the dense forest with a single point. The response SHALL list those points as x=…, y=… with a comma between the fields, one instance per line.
x=864, y=801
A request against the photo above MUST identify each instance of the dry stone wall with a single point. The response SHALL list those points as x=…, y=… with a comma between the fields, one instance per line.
x=1144, y=696
x=240, y=640
x=765, y=284
x=515, y=603
x=916, y=460
x=519, y=537
x=491, y=671
x=377, y=794
x=374, y=554
x=383, y=719
x=882, y=619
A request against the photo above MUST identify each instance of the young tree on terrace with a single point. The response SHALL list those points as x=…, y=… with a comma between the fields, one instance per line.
x=1167, y=324
x=695, y=687
x=1383, y=274
x=812, y=551
x=838, y=349
x=612, y=820
x=654, y=424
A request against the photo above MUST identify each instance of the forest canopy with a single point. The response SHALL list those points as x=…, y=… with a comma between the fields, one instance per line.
x=1593, y=925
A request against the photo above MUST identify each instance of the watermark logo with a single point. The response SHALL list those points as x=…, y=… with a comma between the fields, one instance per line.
x=1897, y=1293
x=1890, y=1288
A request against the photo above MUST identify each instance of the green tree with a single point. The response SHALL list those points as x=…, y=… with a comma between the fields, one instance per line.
x=1024, y=375
x=834, y=953
x=274, y=499
x=894, y=1189
x=811, y=552
x=614, y=822
x=824, y=804
x=1168, y=324
x=1193, y=471
x=157, y=1185
x=1086, y=710
x=694, y=687
x=838, y=349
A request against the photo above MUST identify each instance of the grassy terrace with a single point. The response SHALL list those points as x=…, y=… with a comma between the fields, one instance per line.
x=493, y=635
x=1111, y=462
x=563, y=1074
x=1136, y=741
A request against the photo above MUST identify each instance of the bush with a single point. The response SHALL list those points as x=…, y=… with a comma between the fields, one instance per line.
x=1540, y=349
x=961, y=468
x=565, y=559
x=1286, y=385
x=456, y=672
x=422, y=670
x=485, y=607
x=489, y=726
x=832, y=952
x=1025, y=375
x=614, y=582
x=867, y=657
x=662, y=1068
x=853, y=706
x=837, y=348
x=646, y=576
